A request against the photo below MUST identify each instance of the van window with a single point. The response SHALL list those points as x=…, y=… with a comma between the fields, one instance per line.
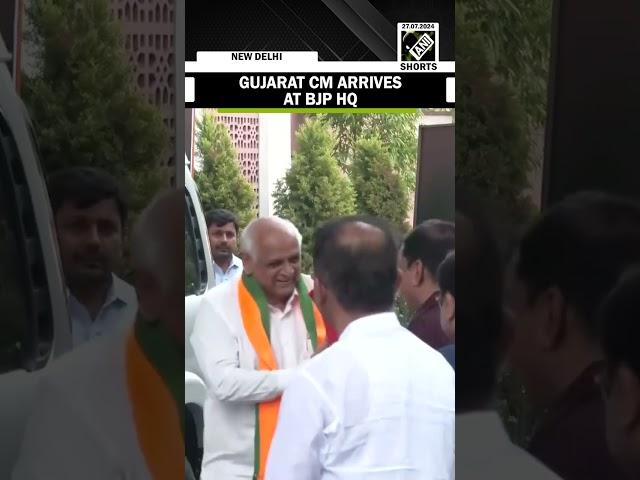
x=191, y=286
x=14, y=289
x=195, y=273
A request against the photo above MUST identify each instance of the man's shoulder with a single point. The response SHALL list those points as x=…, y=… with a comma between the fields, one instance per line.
x=125, y=291
x=509, y=462
x=483, y=449
x=308, y=281
x=224, y=291
x=221, y=301
x=88, y=364
x=422, y=360
x=577, y=419
x=81, y=419
x=237, y=261
x=449, y=353
x=335, y=356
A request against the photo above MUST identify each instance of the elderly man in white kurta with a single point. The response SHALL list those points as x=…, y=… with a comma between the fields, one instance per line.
x=250, y=335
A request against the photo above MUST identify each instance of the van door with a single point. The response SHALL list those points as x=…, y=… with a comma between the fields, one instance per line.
x=198, y=263
x=34, y=321
x=198, y=279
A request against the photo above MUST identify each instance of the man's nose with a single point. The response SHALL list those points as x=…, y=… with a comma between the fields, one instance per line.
x=92, y=235
x=289, y=269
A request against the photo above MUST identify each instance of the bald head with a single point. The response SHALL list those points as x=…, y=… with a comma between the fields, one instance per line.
x=356, y=259
x=359, y=235
x=157, y=236
x=157, y=253
x=265, y=229
x=271, y=254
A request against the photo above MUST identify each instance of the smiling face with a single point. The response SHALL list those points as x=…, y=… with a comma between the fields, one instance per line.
x=274, y=262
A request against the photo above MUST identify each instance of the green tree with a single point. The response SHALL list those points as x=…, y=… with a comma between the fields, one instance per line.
x=516, y=36
x=84, y=105
x=398, y=132
x=492, y=131
x=379, y=189
x=502, y=55
x=220, y=182
x=314, y=189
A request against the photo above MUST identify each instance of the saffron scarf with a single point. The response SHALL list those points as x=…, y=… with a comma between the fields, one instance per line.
x=255, y=318
x=154, y=382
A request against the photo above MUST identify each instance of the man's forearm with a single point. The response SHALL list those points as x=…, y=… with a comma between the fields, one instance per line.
x=231, y=384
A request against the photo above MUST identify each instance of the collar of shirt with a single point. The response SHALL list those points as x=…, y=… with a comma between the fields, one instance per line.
x=118, y=310
x=429, y=304
x=236, y=263
x=119, y=292
x=291, y=303
x=583, y=391
x=377, y=323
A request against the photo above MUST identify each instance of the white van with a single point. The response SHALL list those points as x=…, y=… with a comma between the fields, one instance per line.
x=34, y=321
x=198, y=279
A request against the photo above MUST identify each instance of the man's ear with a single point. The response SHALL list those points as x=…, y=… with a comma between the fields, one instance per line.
x=417, y=273
x=247, y=263
x=145, y=284
x=554, y=316
x=319, y=290
x=449, y=306
x=625, y=394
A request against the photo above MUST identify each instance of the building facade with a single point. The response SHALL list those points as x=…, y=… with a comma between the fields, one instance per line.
x=149, y=30
x=244, y=129
x=263, y=142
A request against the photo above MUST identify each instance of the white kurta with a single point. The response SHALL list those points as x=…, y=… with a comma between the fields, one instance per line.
x=377, y=405
x=229, y=364
x=82, y=424
x=485, y=451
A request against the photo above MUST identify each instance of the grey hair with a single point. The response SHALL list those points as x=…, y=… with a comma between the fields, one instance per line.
x=149, y=246
x=247, y=238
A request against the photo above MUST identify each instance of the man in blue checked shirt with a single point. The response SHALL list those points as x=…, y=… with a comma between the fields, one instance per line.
x=222, y=227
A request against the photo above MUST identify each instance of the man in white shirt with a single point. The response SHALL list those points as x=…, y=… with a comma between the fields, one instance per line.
x=379, y=403
x=222, y=227
x=249, y=336
x=90, y=215
x=117, y=312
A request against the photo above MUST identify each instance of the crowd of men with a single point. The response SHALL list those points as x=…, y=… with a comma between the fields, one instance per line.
x=560, y=310
x=567, y=324
x=313, y=377
x=287, y=399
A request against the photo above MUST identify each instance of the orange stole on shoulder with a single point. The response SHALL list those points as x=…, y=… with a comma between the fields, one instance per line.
x=155, y=415
x=267, y=412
